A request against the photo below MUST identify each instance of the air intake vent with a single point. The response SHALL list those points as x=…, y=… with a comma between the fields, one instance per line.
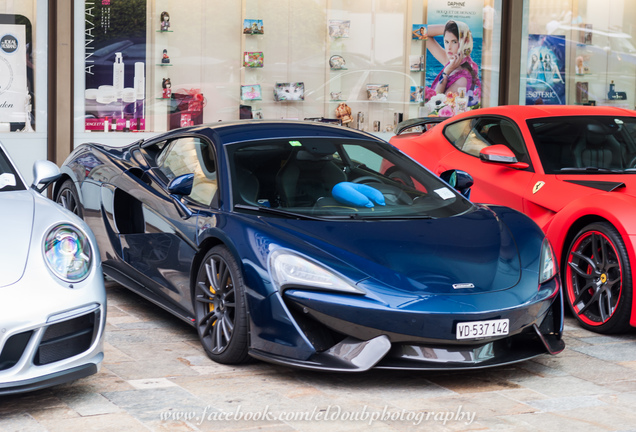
x=67, y=339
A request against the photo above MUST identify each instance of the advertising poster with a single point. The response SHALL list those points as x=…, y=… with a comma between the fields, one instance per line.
x=454, y=35
x=545, y=82
x=115, y=65
x=15, y=103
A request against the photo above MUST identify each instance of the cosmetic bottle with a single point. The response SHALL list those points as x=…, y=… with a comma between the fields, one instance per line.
x=140, y=90
x=118, y=75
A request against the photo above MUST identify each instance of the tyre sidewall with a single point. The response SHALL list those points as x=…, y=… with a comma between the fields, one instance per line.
x=237, y=348
x=619, y=322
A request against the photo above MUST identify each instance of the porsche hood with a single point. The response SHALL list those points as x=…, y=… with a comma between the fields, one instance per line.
x=16, y=227
x=465, y=254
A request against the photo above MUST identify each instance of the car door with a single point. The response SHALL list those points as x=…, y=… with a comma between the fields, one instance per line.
x=157, y=240
x=495, y=183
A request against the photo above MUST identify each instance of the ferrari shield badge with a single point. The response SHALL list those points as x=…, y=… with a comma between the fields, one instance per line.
x=537, y=186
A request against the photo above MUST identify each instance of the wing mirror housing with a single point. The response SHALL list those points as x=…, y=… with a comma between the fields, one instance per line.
x=178, y=188
x=44, y=173
x=460, y=180
x=500, y=154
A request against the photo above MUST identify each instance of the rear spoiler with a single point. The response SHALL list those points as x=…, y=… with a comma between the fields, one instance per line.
x=411, y=123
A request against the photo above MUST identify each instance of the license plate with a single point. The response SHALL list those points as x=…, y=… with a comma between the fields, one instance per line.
x=479, y=329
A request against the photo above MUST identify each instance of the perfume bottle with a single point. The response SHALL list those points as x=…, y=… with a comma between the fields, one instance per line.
x=360, y=121
x=461, y=101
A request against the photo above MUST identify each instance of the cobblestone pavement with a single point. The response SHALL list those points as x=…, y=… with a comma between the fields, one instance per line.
x=156, y=377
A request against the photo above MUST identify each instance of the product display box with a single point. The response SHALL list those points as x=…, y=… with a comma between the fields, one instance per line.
x=186, y=109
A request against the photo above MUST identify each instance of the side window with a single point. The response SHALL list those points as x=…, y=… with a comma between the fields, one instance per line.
x=191, y=156
x=472, y=135
x=456, y=133
x=502, y=131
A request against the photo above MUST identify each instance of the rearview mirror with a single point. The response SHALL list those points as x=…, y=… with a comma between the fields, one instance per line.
x=178, y=188
x=460, y=180
x=44, y=173
x=182, y=185
x=499, y=153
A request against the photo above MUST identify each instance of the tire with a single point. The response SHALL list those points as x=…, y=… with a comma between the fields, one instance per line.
x=220, y=310
x=598, y=279
x=69, y=198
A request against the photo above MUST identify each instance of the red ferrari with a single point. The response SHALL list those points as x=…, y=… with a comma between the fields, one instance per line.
x=570, y=168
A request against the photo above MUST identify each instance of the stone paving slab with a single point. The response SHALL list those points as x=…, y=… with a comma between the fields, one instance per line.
x=156, y=377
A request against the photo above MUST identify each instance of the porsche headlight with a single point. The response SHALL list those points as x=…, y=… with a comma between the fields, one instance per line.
x=290, y=270
x=67, y=252
x=548, y=267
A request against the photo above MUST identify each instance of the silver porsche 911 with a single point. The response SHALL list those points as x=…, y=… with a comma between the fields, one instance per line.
x=52, y=297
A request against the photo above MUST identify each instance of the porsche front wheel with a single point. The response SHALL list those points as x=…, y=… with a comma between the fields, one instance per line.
x=598, y=279
x=219, y=305
x=68, y=198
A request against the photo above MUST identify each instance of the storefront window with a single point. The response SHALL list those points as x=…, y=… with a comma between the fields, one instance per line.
x=579, y=52
x=23, y=81
x=17, y=84
x=152, y=66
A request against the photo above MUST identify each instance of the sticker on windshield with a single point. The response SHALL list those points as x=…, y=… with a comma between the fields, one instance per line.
x=7, y=179
x=445, y=193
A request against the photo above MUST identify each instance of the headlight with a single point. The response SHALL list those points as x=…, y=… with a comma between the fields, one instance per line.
x=67, y=252
x=548, y=267
x=290, y=270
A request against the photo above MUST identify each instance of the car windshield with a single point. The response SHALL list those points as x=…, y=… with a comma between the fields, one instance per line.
x=9, y=178
x=585, y=144
x=336, y=178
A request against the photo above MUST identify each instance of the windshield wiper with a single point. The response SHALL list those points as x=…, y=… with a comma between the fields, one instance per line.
x=276, y=212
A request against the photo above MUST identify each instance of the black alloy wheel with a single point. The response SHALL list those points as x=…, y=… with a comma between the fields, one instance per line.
x=598, y=280
x=69, y=198
x=220, y=310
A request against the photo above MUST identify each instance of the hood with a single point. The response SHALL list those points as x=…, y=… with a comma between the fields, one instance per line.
x=16, y=226
x=464, y=254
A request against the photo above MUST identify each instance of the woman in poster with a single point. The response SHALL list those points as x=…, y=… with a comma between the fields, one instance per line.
x=459, y=68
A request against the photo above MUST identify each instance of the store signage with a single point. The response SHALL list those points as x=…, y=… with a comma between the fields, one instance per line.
x=453, y=81
x=115, y=65
x=13, y=73
x=545, y=77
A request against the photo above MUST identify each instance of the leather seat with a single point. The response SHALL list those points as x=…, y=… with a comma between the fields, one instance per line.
x=247, y=185
x=305, y=177
x=598, y=148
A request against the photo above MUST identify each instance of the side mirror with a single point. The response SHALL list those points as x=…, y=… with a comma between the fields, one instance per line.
x=44, y=173
x=460, y=180
x=178, y=188
x=499, y=153
x=181, y=185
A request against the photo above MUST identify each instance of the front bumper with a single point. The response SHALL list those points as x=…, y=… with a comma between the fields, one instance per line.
x=50, y=332
x=346, y=338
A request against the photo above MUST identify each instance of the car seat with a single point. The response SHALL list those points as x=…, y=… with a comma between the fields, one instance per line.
x=598, y=148
x=305, y=177
x=247, y=185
